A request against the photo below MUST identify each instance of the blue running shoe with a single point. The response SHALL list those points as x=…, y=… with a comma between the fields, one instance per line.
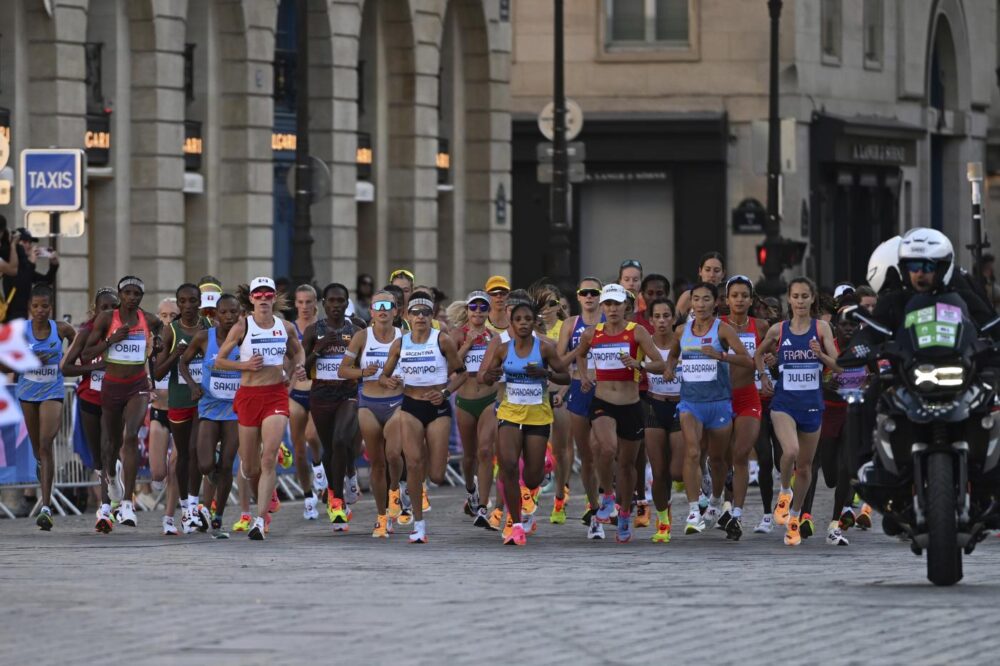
x=624, y=534
x=607, y=508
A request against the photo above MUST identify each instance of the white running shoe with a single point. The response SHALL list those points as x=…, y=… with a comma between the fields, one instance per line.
x=529, y=524
x=256, y=532
x=419, y=532
x=309, y=511
x=710, y=516
x=694, y=524
x=834, y=537
x=754, y=473
x=319, y=479
x=351, y=489
x=765, y=526
x=116, y=487
x=127, y=514
x=169, y=529
x=188, y=524
x=596, y=530
x=157, y=486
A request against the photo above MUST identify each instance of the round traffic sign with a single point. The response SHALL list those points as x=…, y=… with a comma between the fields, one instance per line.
x=574, y=120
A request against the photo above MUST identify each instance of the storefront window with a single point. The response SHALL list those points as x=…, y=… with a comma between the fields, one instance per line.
x=873, y=33
x=830, y=30
x=93, y=77
x=647, y=23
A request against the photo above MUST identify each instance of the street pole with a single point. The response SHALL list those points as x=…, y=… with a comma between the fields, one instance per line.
x=558, y=256
x=772, y=228
x=974, y=174
x=302, y=265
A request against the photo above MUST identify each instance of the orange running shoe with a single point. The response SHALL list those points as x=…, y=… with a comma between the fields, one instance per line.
x=381, y=528
x=558, y=516
x=781, y=509
x=496, y=519
x=864, y=519
x=426, y=504
x=395, y=505
x=662, y=534
x=528, y=505
x=792, y=535
x=641, y=514
x=507, y=531
x=275, y=505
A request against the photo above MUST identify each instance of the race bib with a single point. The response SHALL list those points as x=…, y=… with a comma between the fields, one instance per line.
x=659, y=386
x=749, y=341
x=609, y=357
x=327, y=368
x=162, y=384
x=800, y=376
x=525, y=394
x=195, y=368
x=700, y=370
x=474, y=359
x=96, y=380
x=224, y=387
x=130, y=350
x=43, y=375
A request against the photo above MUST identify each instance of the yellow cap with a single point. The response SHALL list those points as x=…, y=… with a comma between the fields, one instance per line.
x=497, y=282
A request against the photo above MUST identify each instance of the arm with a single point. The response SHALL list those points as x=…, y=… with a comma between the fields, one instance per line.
x=582, y=349
x=489, y=371
x=295, y=355
x=655, y=364
x=69, y=366
x=824, y=348
x=50, y=275
x=456, y=369
x=197, y=346
x=683, y=306
x=96, y=345
x=308, y=347
x=222, y=360
x=350, y=368
x=739, y=356
x=673, y=359
x=386, y=380
x=558, y=371
x=166, y=361
x=767, y=345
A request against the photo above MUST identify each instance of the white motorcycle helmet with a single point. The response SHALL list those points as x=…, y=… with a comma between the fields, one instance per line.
x=931, y=244
x=884, y=262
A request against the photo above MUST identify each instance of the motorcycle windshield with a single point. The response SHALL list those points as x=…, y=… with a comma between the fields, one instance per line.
x=936, y=326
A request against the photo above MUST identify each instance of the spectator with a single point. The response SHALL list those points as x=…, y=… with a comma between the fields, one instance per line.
x=363, y=297
x=986, y=270
x=17, y=287
x=867, y=298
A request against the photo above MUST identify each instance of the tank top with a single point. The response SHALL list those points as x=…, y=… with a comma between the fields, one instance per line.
x=49, y=352
x=553, y=333
x=134, y=348
x=474, y=357
x=579, y=326
x=218, y=385
x=377, y=353
x=89, y=388
x=703, y=379
x=178, y=392
x=327, y=366
x=423, y=364
x=750, y=339
x=525, y=400
x=799, y=368
x=658, y=385
x=607, y=349
x=271, y=344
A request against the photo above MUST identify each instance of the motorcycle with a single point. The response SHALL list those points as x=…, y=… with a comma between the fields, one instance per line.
x=935, y=468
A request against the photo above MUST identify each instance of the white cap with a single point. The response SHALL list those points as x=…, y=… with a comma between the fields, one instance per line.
x=841, y=288
x=259, y=282
x=209, y=299
x=613, y=292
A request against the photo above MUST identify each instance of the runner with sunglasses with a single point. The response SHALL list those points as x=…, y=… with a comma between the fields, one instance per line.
x=803, y=346
x=578, y=401
x=378, y=401
x=548, y=301
x=40, y=390
x=747, y=409
x=333, y=399
x=498, y=319
x=270, y=356
x=711, y=270
x=630, y=277
x=472, y=337
x=618, y=348
x=431, y=370
x=705, y=349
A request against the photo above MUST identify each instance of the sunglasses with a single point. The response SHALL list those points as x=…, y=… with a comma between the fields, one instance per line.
x=499, y=292
x=420, y=312
x=400, y=272
x=920, y=265
x=479, y=306
x=631, y=263
x=552, y=303
x=383, y=305
x=588, y=293
x=263, y=295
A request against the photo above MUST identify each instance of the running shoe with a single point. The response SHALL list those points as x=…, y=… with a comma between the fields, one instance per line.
x=256, y=532
x=344, y=527
x=216, y=522
x=711, y=516
x=677, y=486
x=352, y=491
x=127, y=514
x=205, y=517
x=596, y=531
x=528, y=505
x=104, y=524
x=847, y=519
x=508, y=528
x=529, y=524
x=662, y=534
x=267, y=523
x=607, y=508
x=806, y=527
x=188, y=524
x=642, y=513
x=395, y=506
x=243, y=524
x=734, y=529
x=471, y=503
x=405, y=517
x=727, y=509
x=587, y=515
x=419, y=532
x=336, y=511
x=319, y=479
x=516, y=536
x=782, y=507
x=495, y=519
x=425, y=500
x=754, y=473
x=285, y=458
x=44, y=520
x=309, y=511
x=624, y=533
x=482, y=518
x=792, y=535
x=864, y=520
x=558, y=515
x=274, y=506
x=835, y=537
x=116, y=488
x=694, y=524
x=169, y=529
x=381, y=528
x=566, y=493
x=703, y=502
x=765, y=526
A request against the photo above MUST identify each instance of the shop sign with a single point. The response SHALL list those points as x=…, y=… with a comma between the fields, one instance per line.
x=364, y=156
x=97, y=140
x=856, y=150
x=282, y=141
x=749, y=217
x=443, y=161
x=193, y=145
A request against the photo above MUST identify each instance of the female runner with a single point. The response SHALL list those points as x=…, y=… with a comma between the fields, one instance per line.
x=305, y=441
x=548, y=298
x=711, y=270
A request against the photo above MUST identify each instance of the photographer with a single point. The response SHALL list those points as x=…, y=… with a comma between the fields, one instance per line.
x=17, y=284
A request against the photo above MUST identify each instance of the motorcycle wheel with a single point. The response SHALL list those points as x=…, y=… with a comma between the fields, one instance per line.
x=944, y=557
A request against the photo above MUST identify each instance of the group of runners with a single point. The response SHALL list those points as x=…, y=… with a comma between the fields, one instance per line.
x=705, y=396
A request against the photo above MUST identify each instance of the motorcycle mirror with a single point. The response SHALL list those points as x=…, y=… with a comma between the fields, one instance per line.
x=862, y=319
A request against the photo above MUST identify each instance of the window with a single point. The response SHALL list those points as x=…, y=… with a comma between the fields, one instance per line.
x=873, y=33
x=189, y=73
x=93, y=77
x=830, y=27
x=646, y=23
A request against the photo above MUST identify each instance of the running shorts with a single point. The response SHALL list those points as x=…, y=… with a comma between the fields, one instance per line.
x=301, y=397
x=182, y=414
x=475, y=406
x=253, y=404
x=578, y=402
x=806, y=420
x=117, y=391
x=528, y=430
x=160, y=415
x=746, y=402
x=381, y=408
x=712, y=415
x=424, y=410
x=659, y=413
x=628, y=418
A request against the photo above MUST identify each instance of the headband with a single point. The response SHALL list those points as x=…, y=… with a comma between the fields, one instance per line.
x=129, y=281
x=209, y=284
x=420, y=301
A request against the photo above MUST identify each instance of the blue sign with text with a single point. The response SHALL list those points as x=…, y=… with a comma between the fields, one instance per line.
x=51, y=180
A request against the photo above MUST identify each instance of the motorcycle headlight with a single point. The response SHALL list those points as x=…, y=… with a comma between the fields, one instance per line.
x=929, y=378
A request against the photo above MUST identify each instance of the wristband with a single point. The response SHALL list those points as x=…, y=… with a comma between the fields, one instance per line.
x=445, y=393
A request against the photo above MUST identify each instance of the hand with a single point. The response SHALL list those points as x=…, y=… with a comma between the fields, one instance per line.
x=97, y=364
x=299, y=373
x=770, y=360
x=389, y=382
x=536, y=371
x=15, y=237
x=586, y=384
x=179, y=349
x=323, y=343
x=54, y=258
x=669, y=375
x=492, y=374
x=255, y=363
x=557, y=399
x=157, y=344
x=766, y=387
x=370, y=370
x=196, y=392
x=711, y=352
x=434, y=396
x=118, y=335
x=815, y=347
x=630, y=363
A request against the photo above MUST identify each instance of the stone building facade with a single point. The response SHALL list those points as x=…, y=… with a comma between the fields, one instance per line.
x=884, y=102
x=184, y=108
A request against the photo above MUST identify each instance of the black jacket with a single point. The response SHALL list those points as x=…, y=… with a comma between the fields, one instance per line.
x=26, y=278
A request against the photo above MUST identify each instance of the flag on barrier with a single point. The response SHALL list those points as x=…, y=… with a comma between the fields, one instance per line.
x=17, y=462
x=14, y=350
x=80, y=447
